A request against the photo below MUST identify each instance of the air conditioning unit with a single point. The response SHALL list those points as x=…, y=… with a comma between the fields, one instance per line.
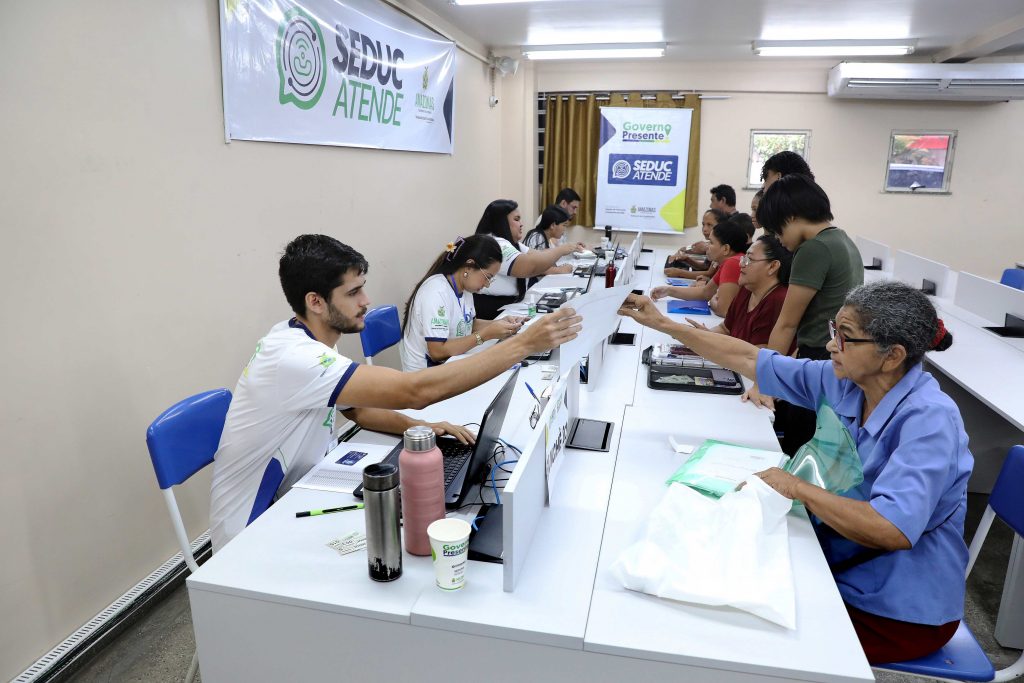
x=960, y=82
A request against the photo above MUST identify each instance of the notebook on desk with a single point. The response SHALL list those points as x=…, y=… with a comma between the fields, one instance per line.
x=691, y=307
x=465, y=465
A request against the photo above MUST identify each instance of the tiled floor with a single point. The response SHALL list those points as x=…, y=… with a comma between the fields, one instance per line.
x=159, y=647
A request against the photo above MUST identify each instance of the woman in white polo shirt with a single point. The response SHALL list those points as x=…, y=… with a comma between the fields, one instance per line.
x=440, y=318
x=503, y=221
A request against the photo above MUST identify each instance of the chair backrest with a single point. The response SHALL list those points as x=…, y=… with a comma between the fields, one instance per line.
x=185, y=437
x=1006, y=499
x=1013, y=277
x=383, y=329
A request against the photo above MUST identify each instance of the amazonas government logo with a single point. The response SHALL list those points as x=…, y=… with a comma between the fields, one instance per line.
x=301, y=60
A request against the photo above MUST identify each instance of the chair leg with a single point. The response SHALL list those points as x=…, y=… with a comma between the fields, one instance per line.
x=193, y=668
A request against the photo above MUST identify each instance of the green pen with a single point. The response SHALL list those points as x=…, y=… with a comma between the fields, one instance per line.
x=314, y=513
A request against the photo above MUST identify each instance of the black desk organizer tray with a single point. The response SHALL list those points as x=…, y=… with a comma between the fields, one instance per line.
x=683, y=370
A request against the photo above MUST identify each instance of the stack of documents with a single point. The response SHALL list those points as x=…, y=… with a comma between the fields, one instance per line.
x=342, y=469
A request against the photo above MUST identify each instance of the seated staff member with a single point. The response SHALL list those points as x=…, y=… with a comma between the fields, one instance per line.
x=440, y=319
x=728, y=244
x=503, y=221
x=281, y=419
x=549, y=232
x=826, y=266
x=764, y=272
x=569, y=200
x=895, y=543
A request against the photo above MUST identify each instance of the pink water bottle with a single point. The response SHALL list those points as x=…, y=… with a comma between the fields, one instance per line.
x=421, y=471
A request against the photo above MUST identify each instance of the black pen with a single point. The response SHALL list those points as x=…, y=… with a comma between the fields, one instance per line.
x=314, y=513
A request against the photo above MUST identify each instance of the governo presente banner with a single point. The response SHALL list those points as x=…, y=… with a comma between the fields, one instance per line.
x=330, y=72
x=641, y=168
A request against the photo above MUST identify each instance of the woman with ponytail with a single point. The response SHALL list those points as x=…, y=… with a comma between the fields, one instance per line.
x=503, y=221
x=440, y=318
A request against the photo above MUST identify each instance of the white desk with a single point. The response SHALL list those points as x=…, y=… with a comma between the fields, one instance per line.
x=706, y=640
x=277, y=604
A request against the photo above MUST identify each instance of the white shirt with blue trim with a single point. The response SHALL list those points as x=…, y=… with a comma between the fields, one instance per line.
x=437, y=314
x=280, y=423
x=504, y=284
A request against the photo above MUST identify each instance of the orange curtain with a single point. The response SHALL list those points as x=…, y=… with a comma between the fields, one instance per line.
x=571, y=135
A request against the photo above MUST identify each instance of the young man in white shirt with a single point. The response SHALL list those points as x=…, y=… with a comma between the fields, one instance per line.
x=281, y=419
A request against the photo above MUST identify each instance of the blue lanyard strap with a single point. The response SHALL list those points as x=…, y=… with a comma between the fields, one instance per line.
x=465, y=316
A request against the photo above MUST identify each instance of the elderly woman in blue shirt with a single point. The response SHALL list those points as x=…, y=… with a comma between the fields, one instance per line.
x=895, y=543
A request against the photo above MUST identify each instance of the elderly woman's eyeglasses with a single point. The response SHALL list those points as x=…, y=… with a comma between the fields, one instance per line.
x=841, y=339
x=745, y=260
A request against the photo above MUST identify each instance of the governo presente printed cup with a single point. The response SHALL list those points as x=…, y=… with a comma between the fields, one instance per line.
x=449, y=549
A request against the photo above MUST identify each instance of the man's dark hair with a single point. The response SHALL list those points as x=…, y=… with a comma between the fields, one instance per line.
x=786, y=163
x=567, y=195
x=743, y=220
x=726, y=193
x=790, y=197
x=316, y=263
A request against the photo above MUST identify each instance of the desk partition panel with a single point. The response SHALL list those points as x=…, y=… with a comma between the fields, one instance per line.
x=914, y=270
x=525, y=493
x=870, y=250
x=988, y=299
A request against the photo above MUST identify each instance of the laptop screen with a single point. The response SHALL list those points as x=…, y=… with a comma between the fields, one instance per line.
x=490, y=429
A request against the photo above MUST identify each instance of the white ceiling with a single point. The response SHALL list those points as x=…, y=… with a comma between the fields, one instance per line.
x=724, y=29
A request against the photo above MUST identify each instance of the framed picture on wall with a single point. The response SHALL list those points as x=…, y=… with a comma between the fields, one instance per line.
x=919, y=162
x=764, y=143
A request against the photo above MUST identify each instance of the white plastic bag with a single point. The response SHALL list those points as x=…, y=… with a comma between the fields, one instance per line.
x=729, y=551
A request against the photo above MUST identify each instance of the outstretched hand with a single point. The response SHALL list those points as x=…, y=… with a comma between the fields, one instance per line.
x=552, y=330
x=643, y=310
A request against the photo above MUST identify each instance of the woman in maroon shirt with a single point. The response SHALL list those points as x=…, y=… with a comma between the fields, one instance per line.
x=764, y=272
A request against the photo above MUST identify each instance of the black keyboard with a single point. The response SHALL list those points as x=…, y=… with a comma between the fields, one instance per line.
x=455, y=455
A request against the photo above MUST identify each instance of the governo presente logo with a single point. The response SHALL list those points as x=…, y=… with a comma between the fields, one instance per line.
x=301, y=60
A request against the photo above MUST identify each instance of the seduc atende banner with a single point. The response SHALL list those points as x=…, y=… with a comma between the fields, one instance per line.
x=335, y=72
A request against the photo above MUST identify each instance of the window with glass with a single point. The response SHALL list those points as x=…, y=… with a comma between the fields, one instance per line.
x=765, y=143
x=919, y=161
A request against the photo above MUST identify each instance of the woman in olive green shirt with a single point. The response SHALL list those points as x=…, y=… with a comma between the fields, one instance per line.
x=826, y=266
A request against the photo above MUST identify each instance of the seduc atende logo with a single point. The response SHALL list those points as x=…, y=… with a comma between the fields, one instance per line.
x=301, y=60
x=643, y=169
x=370, y=88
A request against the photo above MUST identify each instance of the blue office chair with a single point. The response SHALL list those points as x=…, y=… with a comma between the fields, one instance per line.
x=182, y=441
x=383, y=330
x=1013, y=277
x=962, y=658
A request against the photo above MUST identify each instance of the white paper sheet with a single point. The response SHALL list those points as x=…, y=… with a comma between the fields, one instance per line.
x=735, y=463
x=334, y=473
x=599, y=309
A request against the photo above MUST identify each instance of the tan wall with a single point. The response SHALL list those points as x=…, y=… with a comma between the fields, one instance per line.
x=139, y=266
x=973, y=229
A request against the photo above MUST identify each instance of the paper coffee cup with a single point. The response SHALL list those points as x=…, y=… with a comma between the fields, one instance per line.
x=449, y=548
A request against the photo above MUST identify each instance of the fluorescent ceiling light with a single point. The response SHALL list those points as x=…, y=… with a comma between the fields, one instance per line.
x=833, y=48
x=595, y=51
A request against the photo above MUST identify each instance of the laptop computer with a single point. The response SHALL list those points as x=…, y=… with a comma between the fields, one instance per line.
x=465, y=465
